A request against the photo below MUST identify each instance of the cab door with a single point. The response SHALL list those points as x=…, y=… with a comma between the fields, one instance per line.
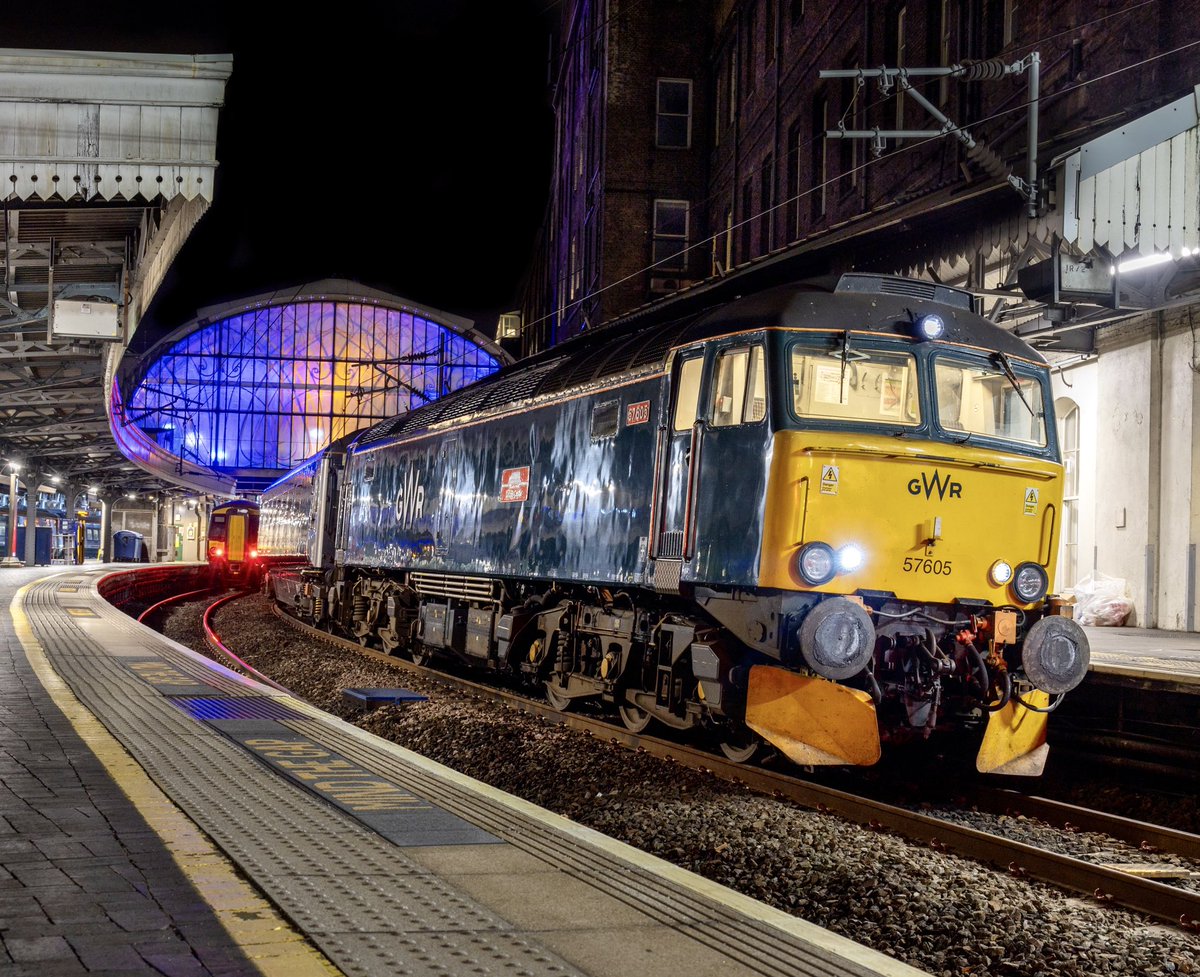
x=679, y=445
x=235, y=544
x=732, y=465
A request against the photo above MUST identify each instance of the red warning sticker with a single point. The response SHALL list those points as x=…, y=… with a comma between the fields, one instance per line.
x=638, y=413
x=514, y=484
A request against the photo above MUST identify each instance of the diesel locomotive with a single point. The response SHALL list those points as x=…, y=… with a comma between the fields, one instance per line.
x=821, y=517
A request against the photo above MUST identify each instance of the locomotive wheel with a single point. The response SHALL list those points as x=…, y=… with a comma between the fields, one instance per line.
x=740, y=744
x=422, y=654
x=555, y=697
x=636, y=720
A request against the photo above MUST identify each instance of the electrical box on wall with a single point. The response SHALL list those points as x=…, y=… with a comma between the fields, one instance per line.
x=86, y=319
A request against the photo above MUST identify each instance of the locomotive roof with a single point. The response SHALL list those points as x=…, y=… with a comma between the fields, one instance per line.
x=640, y=343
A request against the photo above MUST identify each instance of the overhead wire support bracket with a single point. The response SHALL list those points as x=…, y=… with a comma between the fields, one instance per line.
x=898, y=79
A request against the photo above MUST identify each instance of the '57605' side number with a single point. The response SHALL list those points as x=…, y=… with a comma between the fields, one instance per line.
x=918, y=565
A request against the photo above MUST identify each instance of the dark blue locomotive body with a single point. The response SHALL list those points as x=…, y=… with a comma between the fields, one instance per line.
x=704, y=521
x=591, y=487
x=561, y=491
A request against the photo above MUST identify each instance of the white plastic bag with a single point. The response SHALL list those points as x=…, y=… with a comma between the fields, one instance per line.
x=1101, y=601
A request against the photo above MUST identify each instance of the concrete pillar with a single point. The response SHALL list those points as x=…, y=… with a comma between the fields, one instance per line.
x=106, y=529
x=32, y=480
x=151, y=540
x=10, y=547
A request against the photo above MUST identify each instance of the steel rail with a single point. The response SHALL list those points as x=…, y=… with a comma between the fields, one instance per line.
x=1150, y=838
x=1105, y=884
x=220, y=648
x=167, y=601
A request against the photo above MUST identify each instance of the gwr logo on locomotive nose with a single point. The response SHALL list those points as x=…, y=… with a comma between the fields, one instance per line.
x=928, y=484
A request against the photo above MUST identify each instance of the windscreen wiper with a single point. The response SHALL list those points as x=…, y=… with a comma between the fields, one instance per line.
x=1006, y=366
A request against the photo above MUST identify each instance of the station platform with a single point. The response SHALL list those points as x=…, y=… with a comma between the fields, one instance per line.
x=1148, y=654
x=162, y=814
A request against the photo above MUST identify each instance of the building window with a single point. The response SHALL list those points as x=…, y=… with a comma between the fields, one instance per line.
x=719, y=114
x=722, y=246
x=1010, y=21
x=944, y=51
x=793, y=161
x=747, y=218
x=733, y=89
x=728, y=238
x=674, y=129
x=751, y=44
x=574, y=271
x=900, y=42
x=670, y=235
x=820, y=170
x=767, y=222
x=852, y=119
x=769, y=27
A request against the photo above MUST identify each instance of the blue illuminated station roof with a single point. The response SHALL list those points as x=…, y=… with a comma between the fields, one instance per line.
x=250, y=389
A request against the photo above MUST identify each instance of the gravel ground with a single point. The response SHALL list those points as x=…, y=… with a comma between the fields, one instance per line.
x=941, y=913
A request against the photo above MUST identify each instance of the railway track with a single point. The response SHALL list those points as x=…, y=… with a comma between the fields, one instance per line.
x=1128, y=887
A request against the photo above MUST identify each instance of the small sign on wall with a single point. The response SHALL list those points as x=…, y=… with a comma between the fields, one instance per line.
x=89, y=320
x=191, y=532
x=514, y=484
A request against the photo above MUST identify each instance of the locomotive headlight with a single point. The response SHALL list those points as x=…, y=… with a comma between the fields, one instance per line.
x=1000, y=573
x=1056, y=654
x=1030, y=583
x=929, y=326
x=816, y=563
x=849, y=558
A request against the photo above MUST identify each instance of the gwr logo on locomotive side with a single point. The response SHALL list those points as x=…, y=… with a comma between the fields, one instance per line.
x=410, y=499
x=935, y=483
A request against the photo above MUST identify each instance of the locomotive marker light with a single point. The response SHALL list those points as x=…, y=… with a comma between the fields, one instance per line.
x=1000, y=573
x=1030, y=583
x=929, y=326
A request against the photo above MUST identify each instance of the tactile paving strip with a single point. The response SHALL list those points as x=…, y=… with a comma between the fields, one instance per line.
x=297, y=848
x=301, y=863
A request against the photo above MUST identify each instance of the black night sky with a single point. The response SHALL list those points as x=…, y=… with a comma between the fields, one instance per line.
x=403, y=145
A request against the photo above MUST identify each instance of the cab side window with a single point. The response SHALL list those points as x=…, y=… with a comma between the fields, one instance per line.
x=687, y=393
x=739, y=394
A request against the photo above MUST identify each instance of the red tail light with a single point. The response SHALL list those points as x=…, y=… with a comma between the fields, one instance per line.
x=217, y=551
x=254, y=554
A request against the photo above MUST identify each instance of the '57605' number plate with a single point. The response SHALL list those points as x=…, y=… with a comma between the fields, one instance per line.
x=913, y=564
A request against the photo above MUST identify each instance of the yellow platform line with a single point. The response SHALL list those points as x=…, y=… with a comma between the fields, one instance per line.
x=252, y=923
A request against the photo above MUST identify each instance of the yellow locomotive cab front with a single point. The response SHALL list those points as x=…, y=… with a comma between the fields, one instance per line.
x=914, y=511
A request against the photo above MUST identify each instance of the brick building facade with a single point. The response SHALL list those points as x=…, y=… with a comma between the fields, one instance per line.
x=691, y=139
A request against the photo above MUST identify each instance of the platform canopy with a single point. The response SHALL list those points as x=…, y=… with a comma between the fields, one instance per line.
x=107, y=162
